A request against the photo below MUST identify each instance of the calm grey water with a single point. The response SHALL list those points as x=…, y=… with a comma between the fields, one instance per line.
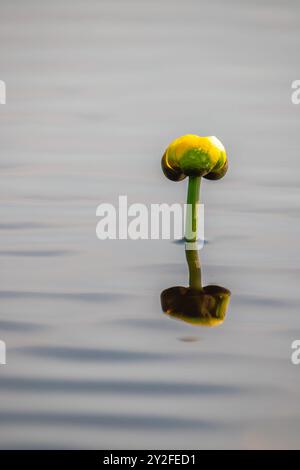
x=95, y=92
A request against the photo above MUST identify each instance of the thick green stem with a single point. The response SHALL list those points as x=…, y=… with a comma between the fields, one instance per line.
x=194, y=265
x=192, y=206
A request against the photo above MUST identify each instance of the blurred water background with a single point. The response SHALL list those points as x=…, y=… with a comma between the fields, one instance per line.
x=95, y=92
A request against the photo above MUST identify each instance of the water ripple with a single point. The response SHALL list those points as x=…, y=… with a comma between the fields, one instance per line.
x=85, y=354
x=36, y=253
x=127, y=422
x=24, y=384
x=22, y=226
x=6, y=325
x=73, y=296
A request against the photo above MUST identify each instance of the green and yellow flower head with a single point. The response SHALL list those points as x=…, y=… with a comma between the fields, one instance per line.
x=191, y=155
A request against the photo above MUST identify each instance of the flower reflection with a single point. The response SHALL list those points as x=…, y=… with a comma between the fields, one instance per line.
x=201, y=306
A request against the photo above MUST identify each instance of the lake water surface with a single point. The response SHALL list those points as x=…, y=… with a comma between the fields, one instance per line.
x=95, y=92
